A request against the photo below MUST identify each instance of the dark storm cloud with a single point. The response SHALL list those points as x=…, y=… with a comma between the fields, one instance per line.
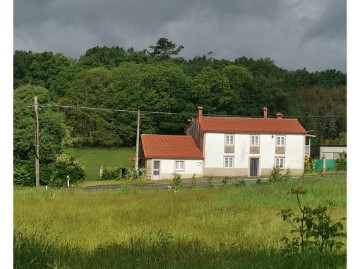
x=330, y=23
x=294, y=33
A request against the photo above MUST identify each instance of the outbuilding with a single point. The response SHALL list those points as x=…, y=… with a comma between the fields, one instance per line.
x=164, y=155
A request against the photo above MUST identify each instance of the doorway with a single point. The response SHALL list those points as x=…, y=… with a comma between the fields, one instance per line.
x=254, y=167
x=156, y=170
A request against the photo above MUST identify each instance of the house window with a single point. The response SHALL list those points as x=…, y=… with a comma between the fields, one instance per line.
x=156, y=169
x=254, y=140
x=179, y=166
x=280, y=141
x=229, y=140
x=280, y=163
x=228, y=162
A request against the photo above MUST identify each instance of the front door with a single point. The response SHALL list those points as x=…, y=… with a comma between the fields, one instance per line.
x=254, y=167
x=156, y=170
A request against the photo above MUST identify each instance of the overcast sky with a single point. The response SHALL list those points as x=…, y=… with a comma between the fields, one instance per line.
x=295, y=34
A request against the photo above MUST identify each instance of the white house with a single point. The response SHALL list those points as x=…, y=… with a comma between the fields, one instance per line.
x=164, y=155
x=228, y=146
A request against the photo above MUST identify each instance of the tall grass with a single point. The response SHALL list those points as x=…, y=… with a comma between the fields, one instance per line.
x=220, y=227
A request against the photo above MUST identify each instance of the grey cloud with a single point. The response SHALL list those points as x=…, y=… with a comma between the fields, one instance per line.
x=289, y=31
x=330, y=23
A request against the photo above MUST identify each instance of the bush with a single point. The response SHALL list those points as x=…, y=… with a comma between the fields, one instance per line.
x=55, y=174
x=176, y=182
x=314, y=229
x=309, y=164
x=24, y=174
x=341, y=162
x=277, y=175
x=113, y=173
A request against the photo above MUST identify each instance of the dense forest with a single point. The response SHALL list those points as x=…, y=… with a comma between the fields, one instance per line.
x=119, y=81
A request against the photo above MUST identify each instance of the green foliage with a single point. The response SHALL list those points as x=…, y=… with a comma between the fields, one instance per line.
x=314, y=229
x=112, y=173
x=278, y=176
x=52, y=132
x=24, y=174
x=309, y=164
x=55, y=174
x=127, y=79
x=331, y=105
x=239, y=182
x=52, y=71
x=341, y=162
x=176, y=182
x=165, y=48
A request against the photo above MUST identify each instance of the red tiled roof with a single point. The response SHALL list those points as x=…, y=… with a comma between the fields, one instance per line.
x=170, y=146
x=252, y=125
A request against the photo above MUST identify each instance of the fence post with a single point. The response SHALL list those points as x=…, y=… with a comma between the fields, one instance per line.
x=324, y=162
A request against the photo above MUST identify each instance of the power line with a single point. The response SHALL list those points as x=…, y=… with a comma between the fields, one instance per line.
x=111, y=109
x=170, y=113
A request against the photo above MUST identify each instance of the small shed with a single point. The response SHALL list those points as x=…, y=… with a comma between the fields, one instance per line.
x=326, y=155
x=329, y=152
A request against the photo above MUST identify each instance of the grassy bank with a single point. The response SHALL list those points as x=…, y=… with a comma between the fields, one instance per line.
x=93, y=158
x=220, y=227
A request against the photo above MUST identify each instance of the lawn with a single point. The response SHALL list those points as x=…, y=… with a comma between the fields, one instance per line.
x=94, y=158
x=218, y=227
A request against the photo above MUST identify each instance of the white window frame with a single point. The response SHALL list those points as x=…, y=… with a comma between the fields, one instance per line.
x=229, y=161
x=179, y=166
x=280, y=141
x=279, y=162
x=254, y=140
x=229, y=139
x=156, y=171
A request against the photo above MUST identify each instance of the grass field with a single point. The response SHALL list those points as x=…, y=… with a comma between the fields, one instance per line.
x=219, y=227
x=93, y=158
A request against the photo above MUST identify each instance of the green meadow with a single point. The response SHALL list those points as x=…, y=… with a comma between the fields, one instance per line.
x=93, y=159
x=218, y=227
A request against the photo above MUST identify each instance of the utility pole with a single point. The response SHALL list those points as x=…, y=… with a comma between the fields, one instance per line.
x=137, y=145
x=37, y=144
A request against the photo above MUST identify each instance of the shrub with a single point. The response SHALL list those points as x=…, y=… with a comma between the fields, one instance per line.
x=176, y=182
x=277, y=175
x=309, y=164
x=239, y=182
x=341, y=162
x=314, y=229
x=22, y=174
x=55, y=174
x=112, y=173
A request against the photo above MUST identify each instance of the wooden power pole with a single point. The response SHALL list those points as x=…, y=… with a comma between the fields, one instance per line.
x=37, y=144
x=137, y=145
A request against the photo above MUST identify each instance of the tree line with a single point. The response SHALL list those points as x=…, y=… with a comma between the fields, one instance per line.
x=159, y=80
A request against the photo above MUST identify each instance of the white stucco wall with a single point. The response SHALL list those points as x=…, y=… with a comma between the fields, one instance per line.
x=214, y=151
x=167, y=168
x=295, y=151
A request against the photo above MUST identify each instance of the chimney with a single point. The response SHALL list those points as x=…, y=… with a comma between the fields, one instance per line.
x=198, y=132
x=265, y=112
x=200, y=109
x=279, y=115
